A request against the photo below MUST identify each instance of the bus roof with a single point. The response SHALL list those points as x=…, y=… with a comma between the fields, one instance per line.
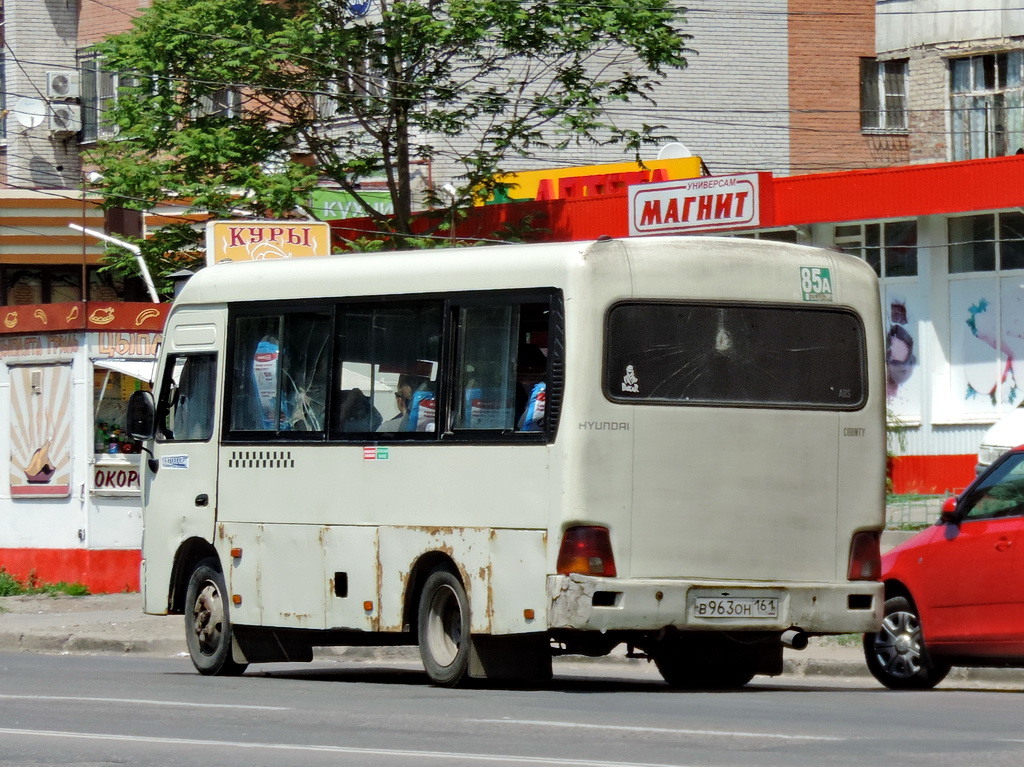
x=691, y=259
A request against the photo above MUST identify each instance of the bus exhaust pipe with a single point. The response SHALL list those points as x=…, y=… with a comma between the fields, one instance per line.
x=794, y=639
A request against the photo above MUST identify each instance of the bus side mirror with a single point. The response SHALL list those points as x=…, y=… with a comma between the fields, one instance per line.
x=948, y=513
x=141, y=419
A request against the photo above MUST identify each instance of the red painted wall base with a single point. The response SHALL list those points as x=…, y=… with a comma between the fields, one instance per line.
x=112, y=571
x=104, y=571
x=932, y=474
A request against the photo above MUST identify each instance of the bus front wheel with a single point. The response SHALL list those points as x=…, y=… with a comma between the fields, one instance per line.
x=443, y=623
x=207, y=624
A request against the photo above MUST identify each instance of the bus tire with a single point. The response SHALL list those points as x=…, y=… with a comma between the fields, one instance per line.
x=443, y=624
x=689, y=664
x=207, y=623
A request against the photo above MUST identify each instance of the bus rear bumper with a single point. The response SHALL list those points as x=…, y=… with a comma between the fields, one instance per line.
x=611, y=604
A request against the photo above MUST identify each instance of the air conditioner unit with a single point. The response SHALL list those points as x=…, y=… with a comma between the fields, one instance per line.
x=65, y=118
x=62, y=84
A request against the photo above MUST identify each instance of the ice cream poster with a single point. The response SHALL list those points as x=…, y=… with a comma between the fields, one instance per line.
x=41, y=425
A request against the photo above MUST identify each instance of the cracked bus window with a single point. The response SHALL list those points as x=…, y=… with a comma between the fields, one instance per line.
x=281, y=366
x=738, y=355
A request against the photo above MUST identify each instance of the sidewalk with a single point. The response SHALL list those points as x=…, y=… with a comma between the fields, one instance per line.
x=115, y=623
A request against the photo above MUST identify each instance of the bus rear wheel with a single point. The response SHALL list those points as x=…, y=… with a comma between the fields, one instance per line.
x=703, y=664
x=207, y=624
x=443, y=623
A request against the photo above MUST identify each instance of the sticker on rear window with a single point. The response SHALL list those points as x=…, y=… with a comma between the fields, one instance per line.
x=630, y=382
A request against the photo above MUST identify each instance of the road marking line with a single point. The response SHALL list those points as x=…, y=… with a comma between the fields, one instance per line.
x=133, y=701
x=449, y=755
x=725, y=733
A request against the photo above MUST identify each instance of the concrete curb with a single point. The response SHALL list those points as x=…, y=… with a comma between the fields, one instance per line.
x=70, y=643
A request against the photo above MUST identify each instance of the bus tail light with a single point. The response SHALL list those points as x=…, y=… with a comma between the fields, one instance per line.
x=865, y=557
x=587, y=551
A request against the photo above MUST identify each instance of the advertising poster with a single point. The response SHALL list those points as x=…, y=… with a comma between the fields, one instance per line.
x=904, y=380
x=41, y=424
x=987, y=344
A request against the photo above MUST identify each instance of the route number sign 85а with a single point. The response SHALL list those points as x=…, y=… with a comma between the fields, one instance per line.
x=816, y=283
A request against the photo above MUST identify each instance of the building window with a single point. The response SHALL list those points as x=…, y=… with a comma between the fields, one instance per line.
x=225, y=102
x=22, y=284
x=3, y=96
x=359, y=80
x=883, y=95
x=988, y=110
x=790, y=235
x=99, y=95
x=890, y=248
x=986, y=243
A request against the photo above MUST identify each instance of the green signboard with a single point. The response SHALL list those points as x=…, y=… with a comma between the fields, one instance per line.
x=330, y=204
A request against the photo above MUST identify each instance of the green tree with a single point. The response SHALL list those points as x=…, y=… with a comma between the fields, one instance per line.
x=326, y=94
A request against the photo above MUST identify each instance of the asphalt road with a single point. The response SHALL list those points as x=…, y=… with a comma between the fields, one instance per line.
x=102, y=710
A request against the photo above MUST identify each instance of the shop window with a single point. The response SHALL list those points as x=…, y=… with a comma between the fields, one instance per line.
x=113, y=384
x=987, y=100
x=890, y=247
x=790, y=235
x=883, y=95
x=986, y=242
x=22, y=284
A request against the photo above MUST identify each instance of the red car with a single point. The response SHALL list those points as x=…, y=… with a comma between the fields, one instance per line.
x=955, y=592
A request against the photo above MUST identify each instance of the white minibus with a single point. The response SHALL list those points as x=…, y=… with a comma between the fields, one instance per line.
x=502, y=454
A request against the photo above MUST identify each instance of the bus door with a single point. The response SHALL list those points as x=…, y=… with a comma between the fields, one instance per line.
x=182, y=497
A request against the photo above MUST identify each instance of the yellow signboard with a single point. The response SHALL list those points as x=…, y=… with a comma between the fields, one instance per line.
x=262, y=240
x=523, y=184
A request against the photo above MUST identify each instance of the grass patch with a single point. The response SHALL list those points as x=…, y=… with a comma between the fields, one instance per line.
x=909, y=497
x=12, y=587
x=909, y=527
x=843, y=640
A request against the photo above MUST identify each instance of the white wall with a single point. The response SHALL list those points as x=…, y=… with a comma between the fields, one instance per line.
x=729, y=106
x=903, y=24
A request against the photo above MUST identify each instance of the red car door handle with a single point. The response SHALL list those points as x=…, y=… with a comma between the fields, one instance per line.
x=1003, y=544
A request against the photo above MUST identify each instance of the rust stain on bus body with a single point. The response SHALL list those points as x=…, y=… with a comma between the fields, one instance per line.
x=447, y=540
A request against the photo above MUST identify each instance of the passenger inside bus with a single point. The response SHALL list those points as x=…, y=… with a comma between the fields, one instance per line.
x=531, y=369
x=356, y=413
x=404, y=391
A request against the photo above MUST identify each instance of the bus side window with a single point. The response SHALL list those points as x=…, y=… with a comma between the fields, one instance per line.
x=280, y=372
x=502, y=368
x=388, y=363
x=186, y=399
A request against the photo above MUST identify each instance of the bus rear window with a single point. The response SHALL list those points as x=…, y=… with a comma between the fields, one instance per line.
x=735, y=355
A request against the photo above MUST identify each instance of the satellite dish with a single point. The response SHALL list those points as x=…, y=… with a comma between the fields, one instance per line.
x=673, y=151
x=30, y=112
